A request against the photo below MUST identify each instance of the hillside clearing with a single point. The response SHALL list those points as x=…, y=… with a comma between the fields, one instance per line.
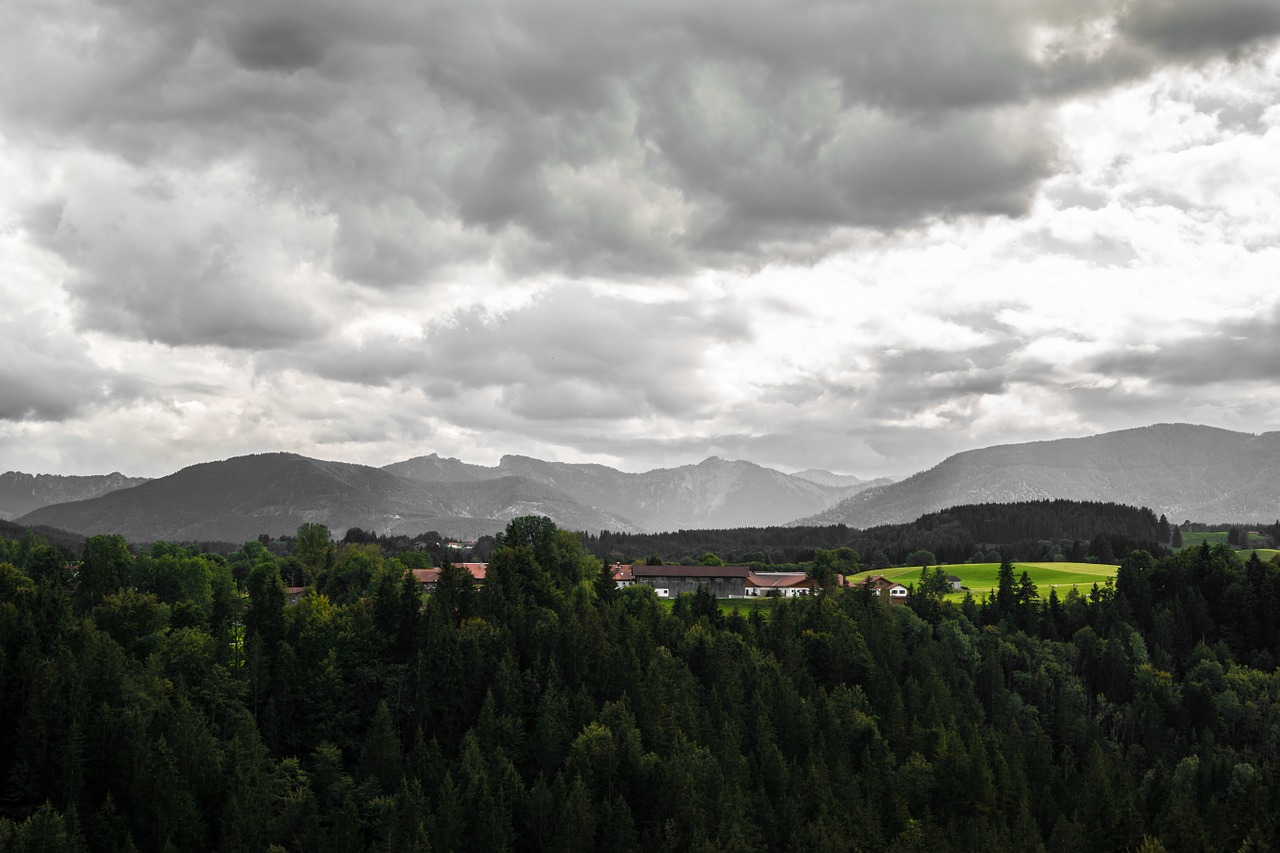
x=981, y=578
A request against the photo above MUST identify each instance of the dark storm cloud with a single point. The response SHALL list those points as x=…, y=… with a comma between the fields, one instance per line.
x=1195, y=28
x=623, y=140
x=282, y=44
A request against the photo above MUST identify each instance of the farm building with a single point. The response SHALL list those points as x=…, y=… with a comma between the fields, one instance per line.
x=782, y=584
x=428, y=577
x=879, y=584
x=670, y=581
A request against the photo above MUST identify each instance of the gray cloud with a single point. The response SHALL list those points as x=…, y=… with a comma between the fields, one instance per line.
x=46, y=376
x=271, y=176
x=194, y=295
x=1194, y=28
x=568, y=356
x=632, y=139
x=1233, y=351
x=281, y=44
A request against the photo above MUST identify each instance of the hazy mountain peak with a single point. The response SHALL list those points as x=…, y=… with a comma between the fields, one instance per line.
x=1182, y=470
x=21, y=493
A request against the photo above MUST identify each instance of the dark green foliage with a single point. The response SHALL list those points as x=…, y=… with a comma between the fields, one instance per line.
x=549, y=710
x=1027, y=530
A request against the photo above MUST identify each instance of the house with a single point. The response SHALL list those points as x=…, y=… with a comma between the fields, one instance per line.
x=781, y=584
x=879, y=584
x=670, y=581
x=954, y=582
x=293, y=594
x=622, y=575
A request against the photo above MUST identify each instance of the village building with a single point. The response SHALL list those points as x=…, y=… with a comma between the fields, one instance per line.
x=880, y=585
x=428, y=578
x=779, y=584
x=622, y=575
x=671, y=581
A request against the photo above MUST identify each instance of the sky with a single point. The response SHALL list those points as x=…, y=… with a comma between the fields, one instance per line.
x=858, y=236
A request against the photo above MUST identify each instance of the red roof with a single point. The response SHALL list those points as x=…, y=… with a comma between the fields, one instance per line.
x=429, y=576
x=778, y=580
x=879, y=582
x=622, y=572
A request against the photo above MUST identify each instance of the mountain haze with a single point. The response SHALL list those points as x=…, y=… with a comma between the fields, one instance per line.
x=843, y=481
x=237, y=499
x=713, y=493
x=1182, y=470
x=21, y=493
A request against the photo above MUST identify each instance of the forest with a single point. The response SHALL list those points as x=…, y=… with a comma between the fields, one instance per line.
x=1026, y=530
x=172, y=700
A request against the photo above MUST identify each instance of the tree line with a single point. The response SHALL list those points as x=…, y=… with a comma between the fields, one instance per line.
x=1027, y=530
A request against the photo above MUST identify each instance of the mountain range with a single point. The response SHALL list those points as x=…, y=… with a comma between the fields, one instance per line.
x=237, y=499
x=21, y=493
x=714, y=493
x=1182, y=470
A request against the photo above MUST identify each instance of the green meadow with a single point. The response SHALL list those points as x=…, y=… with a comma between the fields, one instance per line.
x=743, y=606
x=1264, y=554
x=1193, y=538
x=981, y=578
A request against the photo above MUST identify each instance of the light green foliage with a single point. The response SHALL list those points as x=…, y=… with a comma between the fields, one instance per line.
x=983, y=578
x=314, y=548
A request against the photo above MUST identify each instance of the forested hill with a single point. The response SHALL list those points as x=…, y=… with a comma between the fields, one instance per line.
x=174, y=701
x=1027, y=530
x=1181, y=470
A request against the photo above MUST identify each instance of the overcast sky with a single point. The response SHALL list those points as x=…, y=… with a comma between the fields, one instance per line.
x=859, y=236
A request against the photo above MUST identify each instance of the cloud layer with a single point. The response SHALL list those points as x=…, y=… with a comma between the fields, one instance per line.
x=854, y=235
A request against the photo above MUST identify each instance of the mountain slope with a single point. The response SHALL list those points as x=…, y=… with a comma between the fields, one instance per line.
x=844, y=481
x=236, y=499
x=1182, y=470
x=713, y=493
x=21, y=493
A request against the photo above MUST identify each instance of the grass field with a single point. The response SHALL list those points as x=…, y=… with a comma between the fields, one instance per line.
x=1193, y=538
x=981, y=578
x=743, y=606
x=746, y=605
x=1264, y=554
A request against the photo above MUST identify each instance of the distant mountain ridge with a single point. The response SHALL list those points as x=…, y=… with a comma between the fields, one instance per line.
x=826, y=478
x=21, y=493
x=237, y=499
x=1182, y=470
x=713, y=493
